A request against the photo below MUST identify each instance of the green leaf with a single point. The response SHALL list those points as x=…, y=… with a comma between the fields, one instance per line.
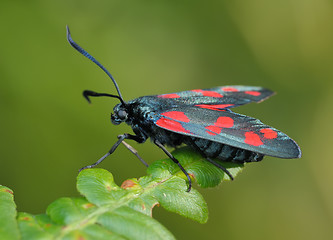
x=173, y=196
x=98, y=187
x=202, y=171
x=8, y=225
x=69, y=210
x=94, y=232
x=36, y=227
x=109, y=211
x=133, y=224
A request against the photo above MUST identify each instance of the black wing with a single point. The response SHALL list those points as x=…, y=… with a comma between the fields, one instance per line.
x=224, y=126
x=219, y=97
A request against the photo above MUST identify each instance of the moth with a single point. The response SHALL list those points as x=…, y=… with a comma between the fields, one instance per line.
x=201, y=119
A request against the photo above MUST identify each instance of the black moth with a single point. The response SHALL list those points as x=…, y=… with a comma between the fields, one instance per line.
x=199, y=118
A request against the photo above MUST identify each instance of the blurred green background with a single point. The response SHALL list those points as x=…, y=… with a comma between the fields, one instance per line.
x=48, y=131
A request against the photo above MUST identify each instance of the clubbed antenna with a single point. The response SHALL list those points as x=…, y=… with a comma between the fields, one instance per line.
x=86, y=54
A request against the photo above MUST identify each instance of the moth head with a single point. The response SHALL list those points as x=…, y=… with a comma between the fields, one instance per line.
x=119, y=114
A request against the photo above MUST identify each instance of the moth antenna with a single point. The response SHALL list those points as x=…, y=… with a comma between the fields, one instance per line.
x=88, y=93
x=87, y=55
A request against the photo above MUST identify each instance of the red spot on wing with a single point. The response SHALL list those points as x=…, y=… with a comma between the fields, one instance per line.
x=214, y=129
x=216, y=107
x=176, y=115
x=208, y=93
x=211, y=133
x=229, y=89
x=269, y=133
x=171, y=125
x=253, y=139
x=253, y=93
x=224, y=122
x=221, y=122
x=171, y=95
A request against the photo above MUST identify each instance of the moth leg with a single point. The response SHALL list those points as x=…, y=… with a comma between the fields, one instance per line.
x=160, y=145
x=221, y=167
x=135, y=152
x=114, y=147
x=212, y=161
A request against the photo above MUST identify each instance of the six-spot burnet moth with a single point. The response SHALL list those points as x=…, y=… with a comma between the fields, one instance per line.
x=199, y=118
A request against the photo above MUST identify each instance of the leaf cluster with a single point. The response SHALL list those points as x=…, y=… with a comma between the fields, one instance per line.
x=109, y=211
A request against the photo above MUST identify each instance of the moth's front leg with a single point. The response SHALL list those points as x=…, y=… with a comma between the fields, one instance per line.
x=160, y=145
x=121, y=138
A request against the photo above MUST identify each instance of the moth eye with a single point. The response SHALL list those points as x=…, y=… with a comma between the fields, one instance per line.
x=122, y=114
